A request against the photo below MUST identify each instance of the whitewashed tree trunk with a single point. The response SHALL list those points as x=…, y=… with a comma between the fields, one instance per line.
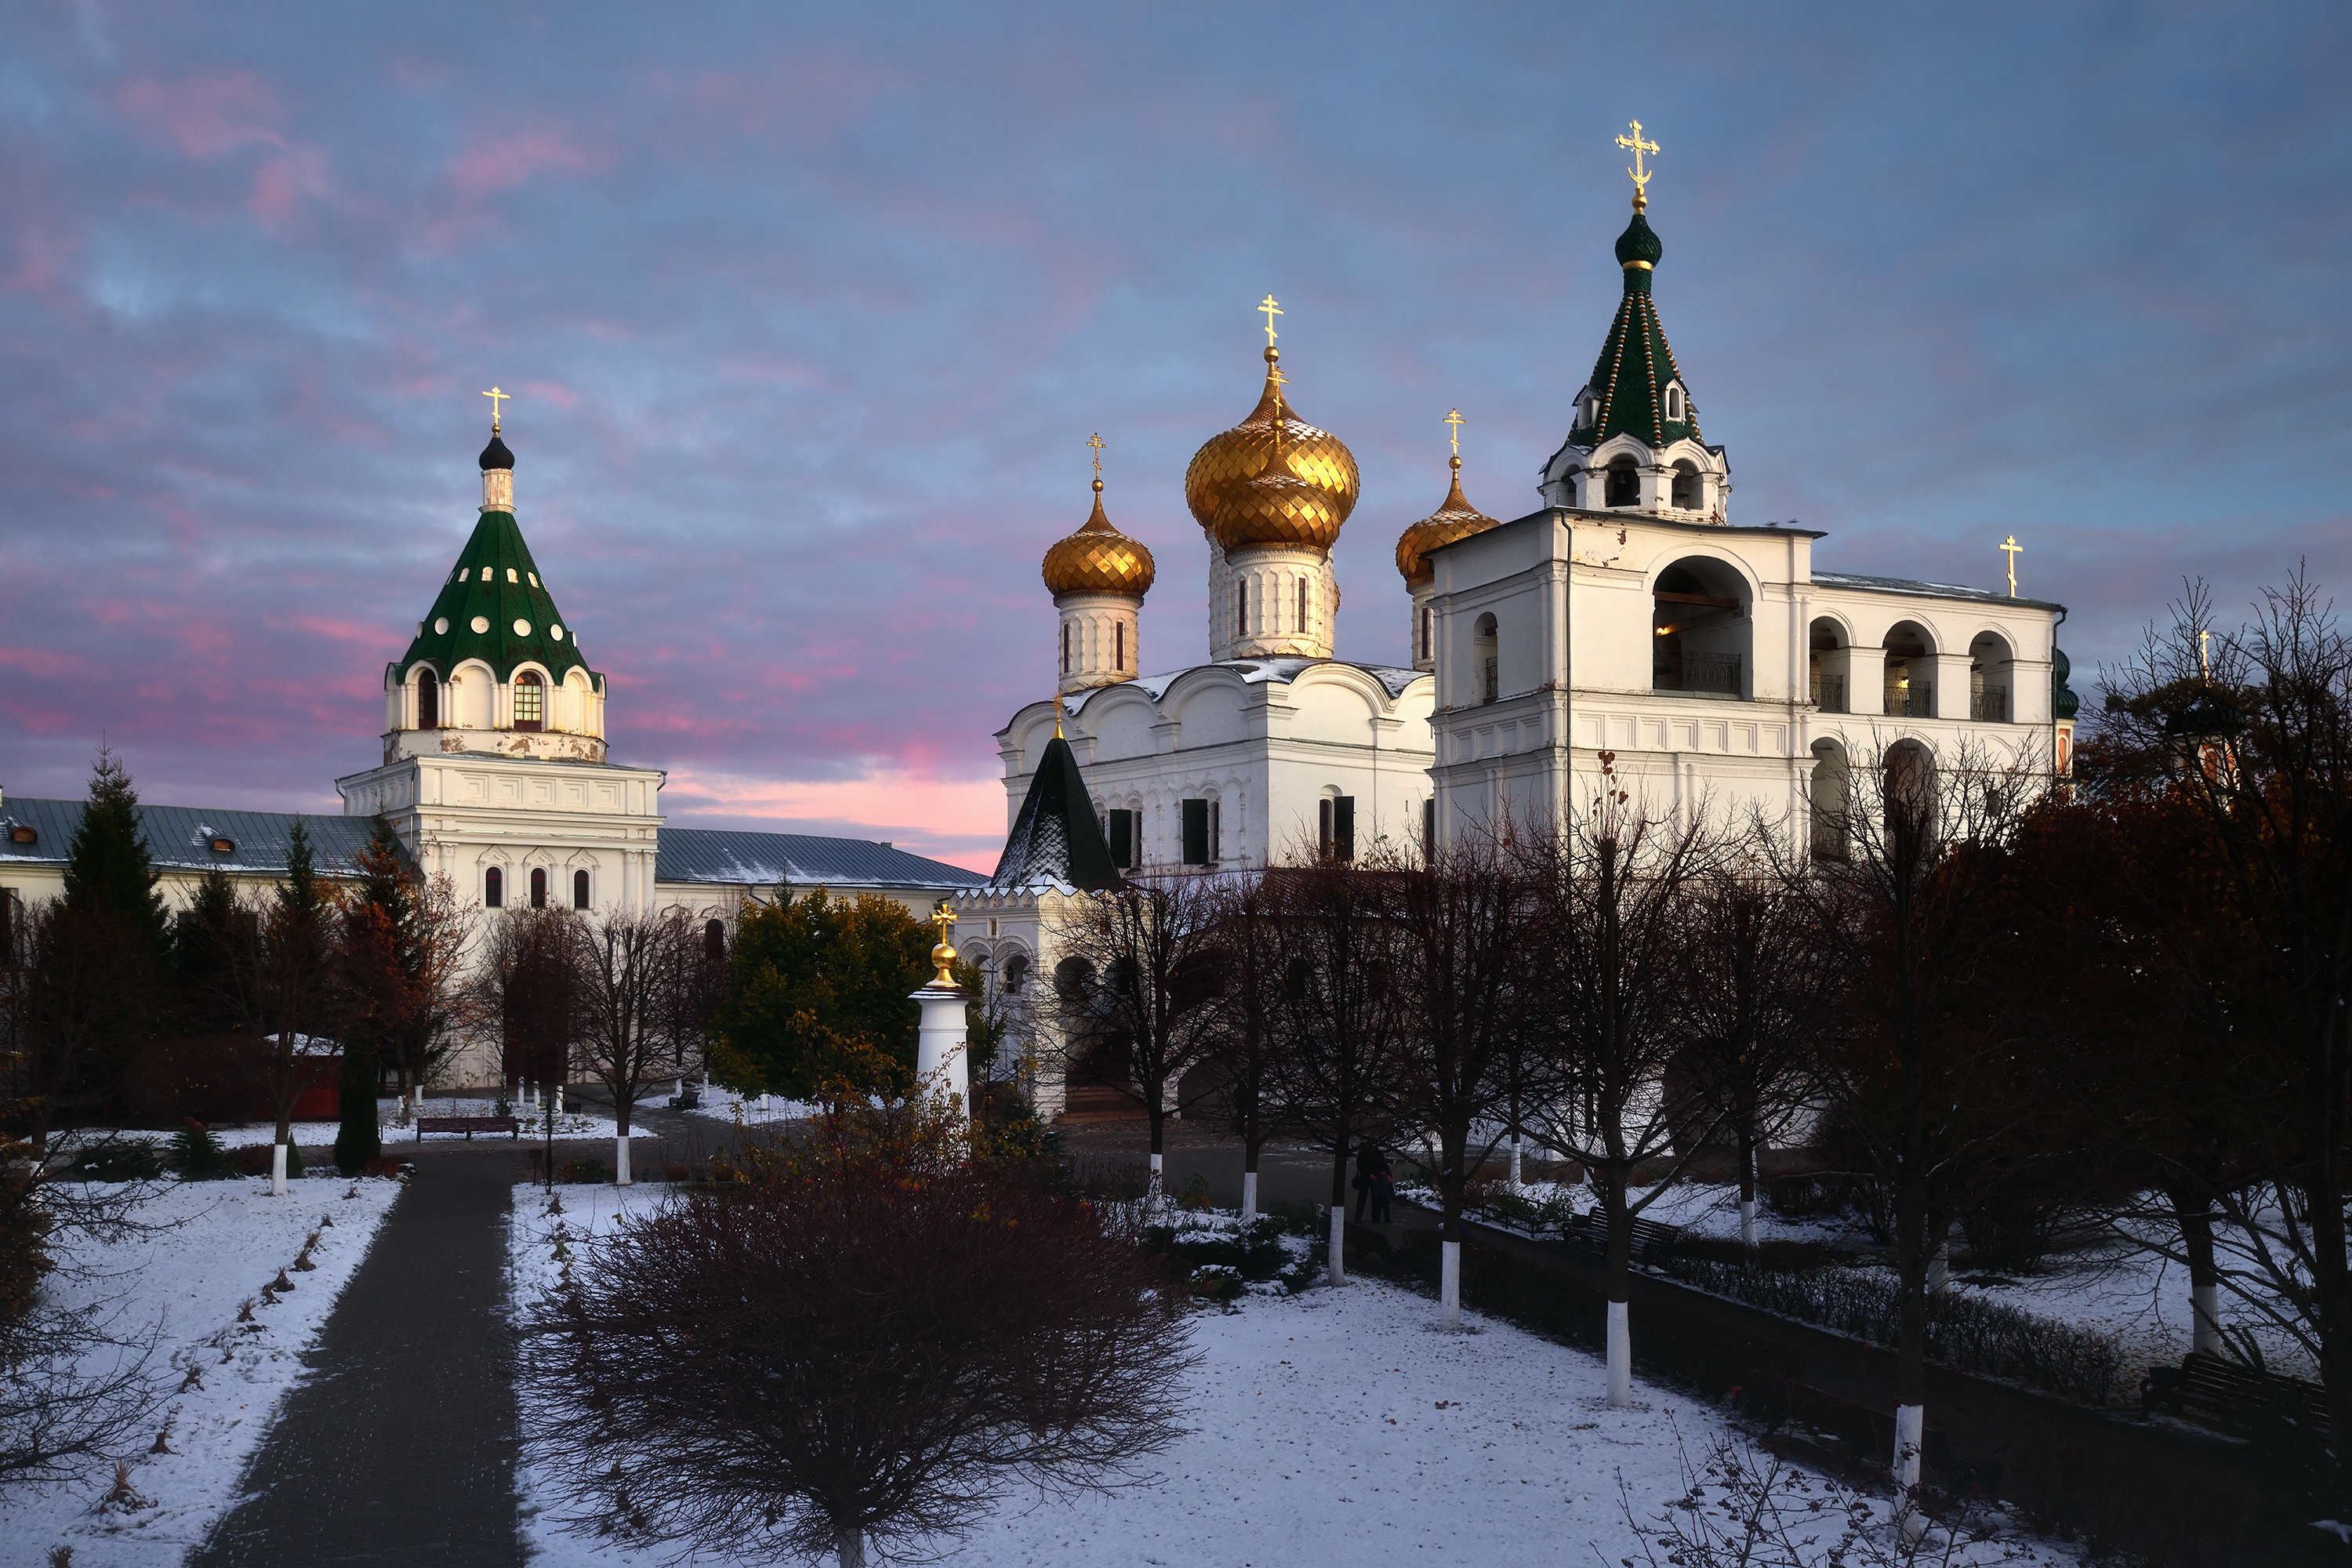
x=1748, y=1208
x=1336, y=1269
x=1152, y=1194
x=1910, y=1437
x=1249, y=1196
x=277, y=1170
x=2205, y=1318
x=557, y=1089
x=1449, y=1286
x=1621, y=1357
x=620, y=1162
x=1939, y=1270
x=1515, y=1179
x=849, y=1547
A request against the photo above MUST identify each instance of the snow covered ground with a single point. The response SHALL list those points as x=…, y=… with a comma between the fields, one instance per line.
x=224, y=1241
x=1329, y=1429
x=754, y=1110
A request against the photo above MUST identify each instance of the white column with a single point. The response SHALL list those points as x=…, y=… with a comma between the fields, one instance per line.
x=940, y=1064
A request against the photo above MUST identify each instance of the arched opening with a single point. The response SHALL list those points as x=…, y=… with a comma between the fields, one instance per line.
x=1699, y=629
x=714, y=942
x=1832, y=663
x=1241, y=609
x=1990, y=682
x=530, y=700
x=1118, y=645
x=1016, y=974
x=1624, y=487
x=1833, y=802
x=1485, y=659
x=1687, y=495
x=1302, y=606
x=1675, y=404
x=494, y=889
x=1065, y=647
x=539, y=887
x=428, y=699
x=1910, y=672
x=579, y=889
x=1428, y=619
x=1909, y=798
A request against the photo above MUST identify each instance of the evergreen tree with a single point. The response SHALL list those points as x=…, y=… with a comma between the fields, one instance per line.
x=375, y=976
x=818, y=996
x=108, y=869
x=204, y=958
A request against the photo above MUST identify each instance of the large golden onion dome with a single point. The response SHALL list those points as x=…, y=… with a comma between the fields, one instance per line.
x=1097, y=558
x=1272, y=480
x=1458, y=519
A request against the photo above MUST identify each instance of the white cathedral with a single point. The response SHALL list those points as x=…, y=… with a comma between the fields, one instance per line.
x=1627, y=614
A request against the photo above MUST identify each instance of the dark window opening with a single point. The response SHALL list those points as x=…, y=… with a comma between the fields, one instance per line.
x=714, y=942
x=1118, y=646
x=1016, y=974
x=494, y=889
x=579, y=889
x=1429, y=826
x=1624, y=487
x=1122, y=837
x=1485, y=659
x=1241, y=609
x=1065, y=647
x=539, y=887
x=1686, y=487
x=1425, y=630
x=1199, y=832
x=1336, y=827
x=428, y=701
x=530, y=700
x=1302, y=606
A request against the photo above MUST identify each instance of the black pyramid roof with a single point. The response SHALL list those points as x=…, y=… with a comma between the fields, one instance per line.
x=1055, y=839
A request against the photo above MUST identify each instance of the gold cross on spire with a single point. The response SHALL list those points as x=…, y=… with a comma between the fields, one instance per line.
x=2012, y=548
x=1641, y=176
x=1454, y=418
x=495, y=397
x=1096, y=441
x=1269, y=309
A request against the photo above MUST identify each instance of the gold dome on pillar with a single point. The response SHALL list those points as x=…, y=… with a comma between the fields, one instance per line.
x=1272, y=480
x=1097, y=558
x=1456, y=519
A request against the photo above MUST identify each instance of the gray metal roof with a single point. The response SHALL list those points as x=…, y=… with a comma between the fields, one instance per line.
x=767, y=859
x=1927, y=590
x=180, y=837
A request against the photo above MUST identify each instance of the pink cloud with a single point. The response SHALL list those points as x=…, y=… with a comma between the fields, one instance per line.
x=509, y=160
x=280, y=182
x=206, y=116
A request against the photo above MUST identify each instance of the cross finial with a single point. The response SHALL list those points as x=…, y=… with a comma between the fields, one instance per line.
x=497, y=398
x=1269, y=309
x=1454, y=418
x=1637, y=146
x=943, y=956
x=2012, y=548
x=2204, y=662
x=1096, y=441
x=1057, y=716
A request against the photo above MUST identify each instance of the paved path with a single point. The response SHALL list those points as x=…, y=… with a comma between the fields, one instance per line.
x=400, y=1446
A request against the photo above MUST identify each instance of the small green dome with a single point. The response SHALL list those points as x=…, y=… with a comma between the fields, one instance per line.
x=2063, y=704
x=1640, y=242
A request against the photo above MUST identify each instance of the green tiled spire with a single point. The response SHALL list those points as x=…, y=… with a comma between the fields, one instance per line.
x=1630, y=376
x=496, y=584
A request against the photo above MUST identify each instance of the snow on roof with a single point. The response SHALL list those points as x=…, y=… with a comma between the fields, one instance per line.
x=181, y=837
x=768, y=859
x=1928, y=590
x=1252, y=672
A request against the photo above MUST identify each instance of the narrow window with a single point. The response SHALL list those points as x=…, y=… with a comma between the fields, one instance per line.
x=1241, y=609
x=1624, y=487
x=1485, y=659
x=1196, y=832
x=1118, y=646
x=1427, y=630
x=1323, y=827
x=1686, y=494
x=539, y=887
x=494, y=889
x=1122, y=839
x=579, y=889
x=1065, y=647
x=1302, y=606
x=530, y=700
x=714, y=942
x=1336, y=827
x=428, y=701
x=1429, y=826
x=1216, y=832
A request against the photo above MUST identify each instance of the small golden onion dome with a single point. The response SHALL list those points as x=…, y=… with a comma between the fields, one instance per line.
x=1458, y=519
x=1273, y=479
x=1097, y=558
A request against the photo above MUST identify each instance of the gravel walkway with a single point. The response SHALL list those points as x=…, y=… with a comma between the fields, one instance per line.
x=399, y=1447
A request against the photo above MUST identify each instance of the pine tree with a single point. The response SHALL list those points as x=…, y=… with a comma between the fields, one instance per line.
x=375, y=924
x=205, y=959
x=108, y=869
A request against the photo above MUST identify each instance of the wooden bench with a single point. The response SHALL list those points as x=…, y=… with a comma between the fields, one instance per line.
x=1589, y=1232
x=2232, y=1397
x=469, y=1125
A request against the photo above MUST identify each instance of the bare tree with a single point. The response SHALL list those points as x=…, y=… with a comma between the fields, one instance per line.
x=285, y=974
x=1249, y=994
x=631, y=1003
x=1136, y=993
x=1616, y=887
x=869, y=1343
x=1455, y=924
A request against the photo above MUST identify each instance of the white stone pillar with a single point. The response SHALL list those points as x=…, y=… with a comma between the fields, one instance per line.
x=940, y=1063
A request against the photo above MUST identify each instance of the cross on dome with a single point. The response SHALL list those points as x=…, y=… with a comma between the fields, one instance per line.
x=1641, y=176
x=1269, y=309
x=495, y=397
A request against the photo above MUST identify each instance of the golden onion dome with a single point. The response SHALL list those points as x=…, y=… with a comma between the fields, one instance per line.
x=1458, y=519
x=1273, y=479
x=1097, y=558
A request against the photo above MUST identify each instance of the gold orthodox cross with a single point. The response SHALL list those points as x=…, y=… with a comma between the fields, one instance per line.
x=1269, y=309
x=944, y=955
x=1454, y=418
x=1641, y=176
x=2204, y=664
x=2010, y=548
x=1096, y=441
x=495, y=397
x=942, y=917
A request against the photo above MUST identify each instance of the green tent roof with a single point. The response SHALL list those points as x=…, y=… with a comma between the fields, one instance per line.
x=495, y=587
x=1635, y=364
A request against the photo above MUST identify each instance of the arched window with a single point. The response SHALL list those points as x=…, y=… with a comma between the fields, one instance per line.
x=1118, y=645
x=1427, y=616
x=714, y=942
x=1065, y=647
x=1831, y=802
x=1302, y=606
x=1485, y=659
x=494, y=889
x=1699, y=629
x=1686, y=486
x=428, y=701
x=1016, y=974
x=1674, y=402
x=579, y=889
x=539, y=887
x=1908, y=793
x=1241, y=609
x=530, y=700
x=1624, y=483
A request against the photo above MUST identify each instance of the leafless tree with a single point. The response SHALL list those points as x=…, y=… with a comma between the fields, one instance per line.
x=1615, y=885
x=631, y=989
x=1136, y=993
x=524, y=992
x=860, y=1347
x=1249, y=995
x=1455, y=924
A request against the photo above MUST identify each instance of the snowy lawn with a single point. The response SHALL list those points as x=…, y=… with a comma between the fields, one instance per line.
x=1328, y=1429
x=224, y=1241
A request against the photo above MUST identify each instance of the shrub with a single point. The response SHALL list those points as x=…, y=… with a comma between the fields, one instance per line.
x=254, y=1159
x=1297, y=1217
x=1218, y=1282
x=110, y=1161
x=197, y=1155
x=1253, y=1251
x=582, y=1171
